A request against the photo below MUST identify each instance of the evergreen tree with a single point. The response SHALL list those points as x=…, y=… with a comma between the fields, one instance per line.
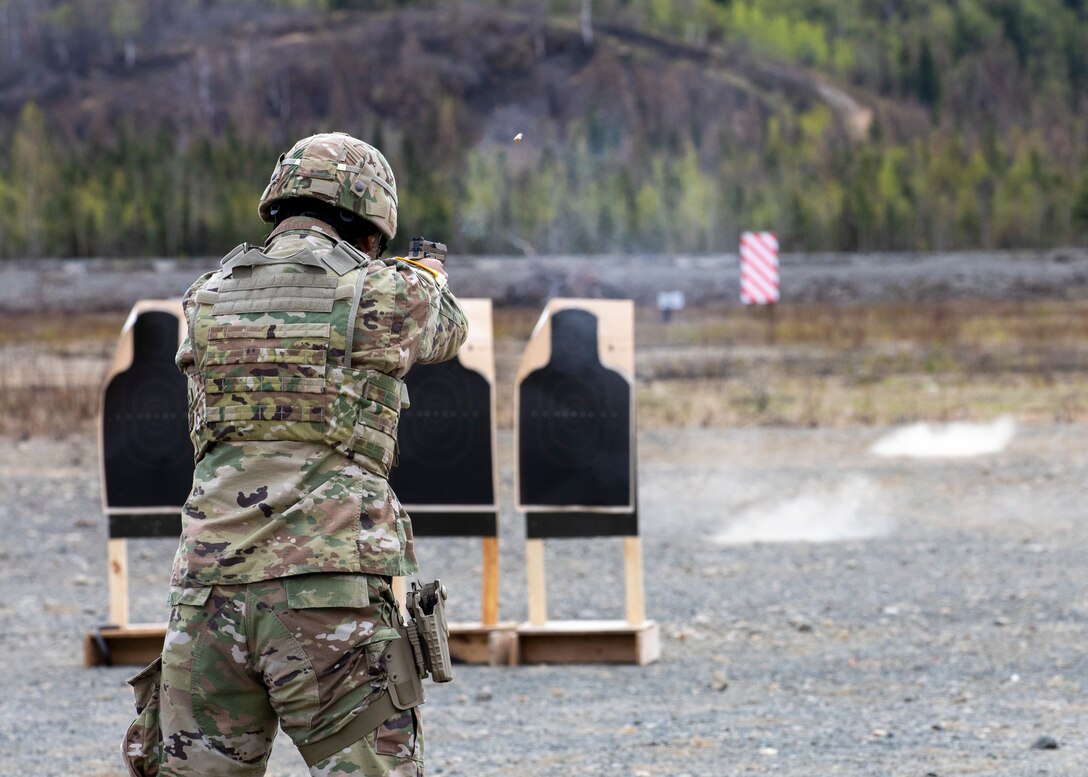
x=929, y=78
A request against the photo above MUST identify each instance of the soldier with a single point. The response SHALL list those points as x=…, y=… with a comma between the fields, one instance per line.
x=282, y=609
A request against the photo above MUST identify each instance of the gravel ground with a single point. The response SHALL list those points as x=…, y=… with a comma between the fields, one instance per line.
x=947, y=644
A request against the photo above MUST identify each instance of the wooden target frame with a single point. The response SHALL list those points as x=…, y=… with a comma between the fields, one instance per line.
x=447, y=477
x=576, y=470
x=145, y=465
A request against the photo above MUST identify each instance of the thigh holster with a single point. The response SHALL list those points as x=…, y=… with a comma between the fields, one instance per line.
x=422, y=650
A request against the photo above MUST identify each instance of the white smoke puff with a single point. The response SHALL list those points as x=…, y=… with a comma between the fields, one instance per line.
x=949, y=441
x=845, y=512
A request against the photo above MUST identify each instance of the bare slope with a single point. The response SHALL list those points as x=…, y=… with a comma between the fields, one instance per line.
x=274, y=74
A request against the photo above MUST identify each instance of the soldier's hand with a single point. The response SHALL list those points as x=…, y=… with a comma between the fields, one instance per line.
x=434, y=264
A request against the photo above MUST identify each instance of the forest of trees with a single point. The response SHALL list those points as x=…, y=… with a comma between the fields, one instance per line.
x=676, y=125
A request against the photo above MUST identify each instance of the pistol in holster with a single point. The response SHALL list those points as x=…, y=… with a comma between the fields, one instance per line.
x=423, y=648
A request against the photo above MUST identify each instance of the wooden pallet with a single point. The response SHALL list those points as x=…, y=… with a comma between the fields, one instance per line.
x=589, y=642
x=478, y=643
x=139, y=645
x=135, y=645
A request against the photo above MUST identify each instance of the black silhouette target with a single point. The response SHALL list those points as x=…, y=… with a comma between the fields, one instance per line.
x=445, y=438
x=574, y=423
x=147, y=454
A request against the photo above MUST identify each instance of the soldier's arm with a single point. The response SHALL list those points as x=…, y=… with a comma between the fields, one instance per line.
x=186, y=362
x=442, y=322
x=184, y=358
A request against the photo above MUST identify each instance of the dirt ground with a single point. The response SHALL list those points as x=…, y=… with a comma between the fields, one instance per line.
x=942, y=633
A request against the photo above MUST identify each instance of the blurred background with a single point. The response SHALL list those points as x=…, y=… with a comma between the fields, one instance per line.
x=145, y=127
x=924, y=166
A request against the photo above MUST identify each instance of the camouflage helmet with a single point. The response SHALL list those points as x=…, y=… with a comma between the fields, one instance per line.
x=340, y=170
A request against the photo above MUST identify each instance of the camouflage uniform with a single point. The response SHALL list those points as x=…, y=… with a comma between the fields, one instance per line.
x=280, y=592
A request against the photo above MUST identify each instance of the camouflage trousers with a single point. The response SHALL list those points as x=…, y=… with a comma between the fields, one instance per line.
x=305, y=651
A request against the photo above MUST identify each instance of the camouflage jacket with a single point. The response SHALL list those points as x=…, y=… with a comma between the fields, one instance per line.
x=266, y=509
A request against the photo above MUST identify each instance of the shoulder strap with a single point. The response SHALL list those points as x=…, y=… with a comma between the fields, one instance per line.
x=254, y=257
x=345, y=257
x=341, y=260
x=235, y=252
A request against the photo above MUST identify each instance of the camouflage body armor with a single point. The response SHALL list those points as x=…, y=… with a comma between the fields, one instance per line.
x=266, y=380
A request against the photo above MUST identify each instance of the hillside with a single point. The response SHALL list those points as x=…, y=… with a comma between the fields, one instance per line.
x=147, y=127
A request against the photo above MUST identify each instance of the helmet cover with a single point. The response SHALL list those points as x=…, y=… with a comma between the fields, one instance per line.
x=340, y=170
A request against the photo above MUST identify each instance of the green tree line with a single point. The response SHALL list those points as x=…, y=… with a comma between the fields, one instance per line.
x=977, y=139
x=152, y=196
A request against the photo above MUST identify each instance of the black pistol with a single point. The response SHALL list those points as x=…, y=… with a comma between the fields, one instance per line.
x=421, y=248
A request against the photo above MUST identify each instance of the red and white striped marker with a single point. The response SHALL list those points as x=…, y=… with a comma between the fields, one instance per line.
x=759, y=268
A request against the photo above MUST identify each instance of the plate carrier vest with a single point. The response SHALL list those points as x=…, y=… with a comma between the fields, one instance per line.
x=274, y=355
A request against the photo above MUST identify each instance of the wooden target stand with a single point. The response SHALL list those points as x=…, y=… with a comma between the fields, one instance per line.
x=146, y=466
x=447, y=476
x=146, y=470
x=575, y=471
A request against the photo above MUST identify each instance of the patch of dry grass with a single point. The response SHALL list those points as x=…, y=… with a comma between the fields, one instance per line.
x=947, y=323
x=808, y=365
x=52, y=372
x=62, y=333
x=833, y=401
x=34, y=402
x=821, y=365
